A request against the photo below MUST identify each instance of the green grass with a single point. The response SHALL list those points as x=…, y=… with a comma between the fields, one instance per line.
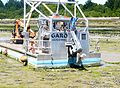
x=14, y=75
x=106, y=32
x=104, y=23
x=10, y=27
x=5, y=34
x=110, y=45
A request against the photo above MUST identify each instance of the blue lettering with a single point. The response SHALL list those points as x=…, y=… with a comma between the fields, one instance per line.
x=59, y=35
x=53, y=35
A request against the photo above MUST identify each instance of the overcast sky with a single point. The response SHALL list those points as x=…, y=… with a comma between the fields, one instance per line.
x=81, y=1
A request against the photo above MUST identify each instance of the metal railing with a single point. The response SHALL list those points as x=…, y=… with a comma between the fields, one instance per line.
x=39, y=46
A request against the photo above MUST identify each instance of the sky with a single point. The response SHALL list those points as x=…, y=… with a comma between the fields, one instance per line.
x=95, y=1
x=81, y=1
x=4, y=1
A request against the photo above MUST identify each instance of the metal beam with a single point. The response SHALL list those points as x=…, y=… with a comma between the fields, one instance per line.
x=58, y=5
x=47, y=8
x=67, y=10
x=52, y=1
x=30, y=13
x=82, y=15
x=37, y=10
x=24, y=15
x=75, y=10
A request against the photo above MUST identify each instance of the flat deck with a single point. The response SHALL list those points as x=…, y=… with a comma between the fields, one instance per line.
x=17, y=50
x=16, y=47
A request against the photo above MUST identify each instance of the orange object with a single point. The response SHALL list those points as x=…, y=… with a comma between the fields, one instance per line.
x=17, y=33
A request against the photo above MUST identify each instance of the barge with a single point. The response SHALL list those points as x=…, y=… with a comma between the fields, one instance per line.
x=58, y=41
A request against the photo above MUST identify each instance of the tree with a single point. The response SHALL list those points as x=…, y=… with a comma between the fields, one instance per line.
x=88, y=4
x=13, y=5
x=14, y=9
x=1, y=4
x=110, y=4
x=22, y=3
x=116, y=4
x=2, y=15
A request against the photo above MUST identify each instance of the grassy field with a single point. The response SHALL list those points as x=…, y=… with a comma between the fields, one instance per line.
x=108, y=45
x=10, y=27
x=5, y=34
x=14, y=75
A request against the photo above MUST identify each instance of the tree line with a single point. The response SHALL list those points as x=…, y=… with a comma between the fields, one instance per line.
x=15, y=8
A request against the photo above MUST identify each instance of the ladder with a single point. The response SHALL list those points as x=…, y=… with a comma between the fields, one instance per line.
x=75, y=43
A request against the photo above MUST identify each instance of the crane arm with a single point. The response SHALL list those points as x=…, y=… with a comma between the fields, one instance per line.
x=20, y=23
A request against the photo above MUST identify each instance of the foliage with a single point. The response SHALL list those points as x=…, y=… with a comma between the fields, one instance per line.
x=14, y=9
x=1, y=4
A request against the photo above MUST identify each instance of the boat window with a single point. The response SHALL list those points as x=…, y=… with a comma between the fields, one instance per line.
x=83, y=37
x=60, y=26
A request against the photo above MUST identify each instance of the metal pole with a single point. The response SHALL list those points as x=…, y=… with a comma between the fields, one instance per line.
x=67, y=10
x=24, y=16
x=24, y=31
x=51, y=12
x=83, y=16
x=75, y=10
x=38, y=11
x=30, y=13
x=58, y=7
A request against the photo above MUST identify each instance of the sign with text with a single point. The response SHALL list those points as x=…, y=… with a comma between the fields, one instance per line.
x=59, y=36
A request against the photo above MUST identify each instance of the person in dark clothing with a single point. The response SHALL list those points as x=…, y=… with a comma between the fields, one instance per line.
x=72, y=56
x=73, y=59
x=80, y=58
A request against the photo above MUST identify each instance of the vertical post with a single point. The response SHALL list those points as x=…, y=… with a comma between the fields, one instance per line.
x=51, y=29
x=75, y=10
x=24, y=16
x=51, y=25
x=25, y=28
x=58, y=7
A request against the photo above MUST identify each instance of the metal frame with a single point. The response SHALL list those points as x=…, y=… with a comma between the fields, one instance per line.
x=77, y=43
x=35, y=3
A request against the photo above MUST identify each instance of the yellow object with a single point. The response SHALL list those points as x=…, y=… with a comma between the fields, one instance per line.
x=17, y=33
x=24, y=60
